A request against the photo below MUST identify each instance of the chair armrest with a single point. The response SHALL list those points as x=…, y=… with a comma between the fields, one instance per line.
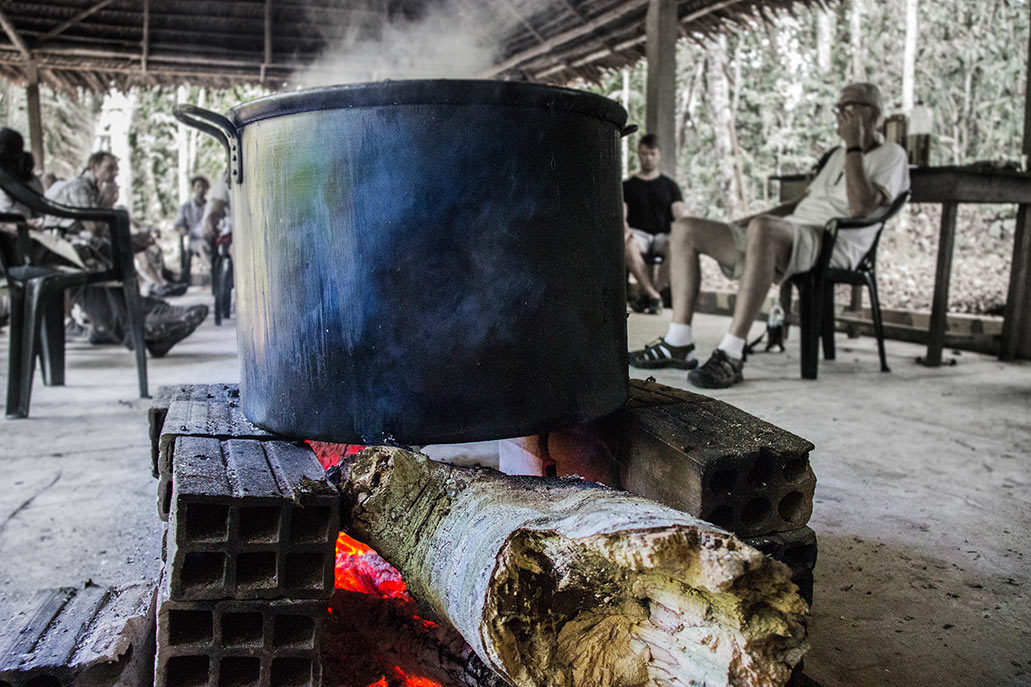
x=876, y=218
x=44, y=206
x=832, y=227
x=117, y=220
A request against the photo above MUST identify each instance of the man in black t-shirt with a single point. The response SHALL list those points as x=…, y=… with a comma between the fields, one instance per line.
x=651, y=203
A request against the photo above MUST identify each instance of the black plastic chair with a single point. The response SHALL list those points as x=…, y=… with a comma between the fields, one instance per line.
x=37, y=294
x=816, y=289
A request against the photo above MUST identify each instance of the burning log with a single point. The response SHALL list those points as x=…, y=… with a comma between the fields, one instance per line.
x=562, y=582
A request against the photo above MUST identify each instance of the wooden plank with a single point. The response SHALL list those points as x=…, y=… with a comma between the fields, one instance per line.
x=969, y=185
x=940, y=302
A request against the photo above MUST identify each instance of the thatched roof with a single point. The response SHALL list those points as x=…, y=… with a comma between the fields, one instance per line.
x=97, y=44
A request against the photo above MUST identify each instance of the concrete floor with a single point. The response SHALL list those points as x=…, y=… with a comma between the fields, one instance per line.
x=922, y=505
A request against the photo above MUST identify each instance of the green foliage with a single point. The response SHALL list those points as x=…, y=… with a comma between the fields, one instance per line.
x=970, y=69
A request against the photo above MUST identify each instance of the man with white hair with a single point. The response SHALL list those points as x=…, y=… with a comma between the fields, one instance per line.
x=861, y=175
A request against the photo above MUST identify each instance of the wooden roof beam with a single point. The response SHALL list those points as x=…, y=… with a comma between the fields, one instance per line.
x=15, y=37
x=555, y=41
x=518, y=15
x=63, y=26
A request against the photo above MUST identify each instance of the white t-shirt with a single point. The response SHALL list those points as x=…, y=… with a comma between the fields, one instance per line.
x=827, y=198
x=220, y=191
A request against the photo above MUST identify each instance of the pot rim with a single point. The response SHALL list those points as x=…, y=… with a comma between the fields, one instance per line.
x=429, y=92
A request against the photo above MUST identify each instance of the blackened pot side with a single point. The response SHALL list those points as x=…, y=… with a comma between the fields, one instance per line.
x=428, y=261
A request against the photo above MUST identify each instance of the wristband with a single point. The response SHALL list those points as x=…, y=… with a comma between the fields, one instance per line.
x=854, y=149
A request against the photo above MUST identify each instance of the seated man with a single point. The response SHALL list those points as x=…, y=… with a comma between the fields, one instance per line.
x=164, y=325
x=651, y=202
x=860, y=176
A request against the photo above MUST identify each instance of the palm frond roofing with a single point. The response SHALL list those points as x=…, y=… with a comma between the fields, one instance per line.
x=103, y=44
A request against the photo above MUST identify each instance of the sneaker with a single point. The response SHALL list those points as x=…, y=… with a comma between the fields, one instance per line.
x=161, y=337
x=648, y=306
x=163, y=312
x=719, y=372
x=659, y=354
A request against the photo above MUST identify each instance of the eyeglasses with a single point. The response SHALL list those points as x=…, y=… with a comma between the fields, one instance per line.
x=842, y=106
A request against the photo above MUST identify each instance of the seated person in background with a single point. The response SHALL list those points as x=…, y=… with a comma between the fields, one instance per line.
x=150, y=263
x=190, y=220
x=651, y=202
x=164, y=325
x=19, y=164
x=859, y=177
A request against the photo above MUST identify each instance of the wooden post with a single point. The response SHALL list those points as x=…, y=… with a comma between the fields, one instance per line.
x=1016, y=327
x=35, y=115
x=145, y=48
x=660, y=118
x=940, y=302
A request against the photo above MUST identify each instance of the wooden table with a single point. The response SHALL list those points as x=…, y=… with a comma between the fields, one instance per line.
x=951, y=186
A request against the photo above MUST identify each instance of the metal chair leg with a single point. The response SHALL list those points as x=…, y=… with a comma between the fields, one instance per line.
x=878, y=324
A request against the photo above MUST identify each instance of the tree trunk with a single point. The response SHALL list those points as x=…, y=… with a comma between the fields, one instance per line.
x=909, y=54
x=183, y=147
x=856, y=40
x=723, y=124
x=824, y=40
x=566, y=583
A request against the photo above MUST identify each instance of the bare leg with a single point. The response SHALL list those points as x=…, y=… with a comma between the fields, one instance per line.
x=768, y=247
x=635, y=263
x=692, y=237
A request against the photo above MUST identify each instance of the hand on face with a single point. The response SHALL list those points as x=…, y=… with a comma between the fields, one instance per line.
x=108, y=194
x=852, y=126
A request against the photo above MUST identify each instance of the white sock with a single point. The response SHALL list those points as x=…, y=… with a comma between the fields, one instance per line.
x=733, y=346
x=678, y=334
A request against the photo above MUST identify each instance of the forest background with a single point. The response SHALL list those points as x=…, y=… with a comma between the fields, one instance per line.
x=752, y=104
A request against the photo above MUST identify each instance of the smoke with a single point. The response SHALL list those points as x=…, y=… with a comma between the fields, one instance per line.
x=451, y=40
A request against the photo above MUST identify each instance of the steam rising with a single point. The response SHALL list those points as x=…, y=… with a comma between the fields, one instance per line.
x=450, y=41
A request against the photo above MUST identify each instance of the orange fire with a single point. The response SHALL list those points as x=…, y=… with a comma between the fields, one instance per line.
x=360, y=569
x=329, y=454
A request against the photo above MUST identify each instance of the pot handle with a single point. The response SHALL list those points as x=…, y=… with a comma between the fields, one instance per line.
x=627, y=130
x=218, y=127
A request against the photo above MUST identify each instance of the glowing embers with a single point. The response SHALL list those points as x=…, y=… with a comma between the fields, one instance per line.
x=360, y=569
x=370, y=612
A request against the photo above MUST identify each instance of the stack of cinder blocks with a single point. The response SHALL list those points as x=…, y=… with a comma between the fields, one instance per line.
x=249, y=547
x=716, y=462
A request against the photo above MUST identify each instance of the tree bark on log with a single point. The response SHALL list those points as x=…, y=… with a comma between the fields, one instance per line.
x=566, y=583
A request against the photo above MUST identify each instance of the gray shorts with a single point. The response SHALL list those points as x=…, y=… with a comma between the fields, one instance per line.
x=805, y=250
x=651, y=244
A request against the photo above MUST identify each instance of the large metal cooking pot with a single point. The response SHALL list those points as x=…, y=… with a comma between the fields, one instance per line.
x=426, y=261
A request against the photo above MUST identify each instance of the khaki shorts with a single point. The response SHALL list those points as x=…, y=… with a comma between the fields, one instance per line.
x=805, y=250
x=651, y=244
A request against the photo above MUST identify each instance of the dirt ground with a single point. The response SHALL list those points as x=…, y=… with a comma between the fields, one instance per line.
x=923, y=507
